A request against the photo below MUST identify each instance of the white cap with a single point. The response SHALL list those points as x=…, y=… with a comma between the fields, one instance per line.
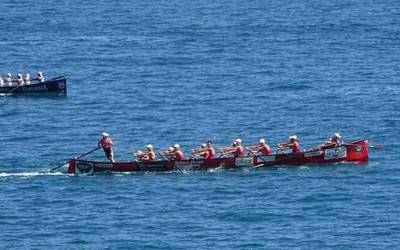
x=20, y=75
x=262, y=140
x=40, y=73
x=28, y=75
x=9, y=74
x=104, y=134
x=203, y=145
x=139, y=152
x=149, y=146
x=336, y=135
x=170, y=148
x=238, y=141
x=293, y=137
x=176, y=146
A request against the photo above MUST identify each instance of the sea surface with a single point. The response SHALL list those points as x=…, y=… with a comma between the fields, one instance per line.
x=166, y=72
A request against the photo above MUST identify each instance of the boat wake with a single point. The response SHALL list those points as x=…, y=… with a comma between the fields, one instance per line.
x=29, y=174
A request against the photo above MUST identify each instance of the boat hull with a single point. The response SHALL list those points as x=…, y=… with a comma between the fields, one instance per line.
x=356, y=152
x=56, y=86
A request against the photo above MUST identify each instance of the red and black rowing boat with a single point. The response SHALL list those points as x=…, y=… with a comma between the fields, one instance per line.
x=356, y=152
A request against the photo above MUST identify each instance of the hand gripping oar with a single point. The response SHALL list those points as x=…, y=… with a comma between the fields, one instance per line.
x=78, y=157
x=257, y=156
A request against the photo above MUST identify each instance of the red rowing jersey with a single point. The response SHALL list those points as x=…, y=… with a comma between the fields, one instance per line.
x=179, y=156
x=106, y=142
x=265, y=150
x=211, y=153
x=239, y=152
x=296, y=148
x=152, y=156
x=206, y=155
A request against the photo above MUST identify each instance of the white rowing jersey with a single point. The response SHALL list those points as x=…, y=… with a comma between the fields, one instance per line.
x=8, y=81
x=27, y=80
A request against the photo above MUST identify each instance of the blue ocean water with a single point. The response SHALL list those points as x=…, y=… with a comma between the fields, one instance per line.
x=183, y=72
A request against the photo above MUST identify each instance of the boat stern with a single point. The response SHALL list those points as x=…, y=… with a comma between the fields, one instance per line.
x=358, y=151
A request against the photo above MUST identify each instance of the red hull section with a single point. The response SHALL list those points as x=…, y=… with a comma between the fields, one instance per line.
x=356, y=152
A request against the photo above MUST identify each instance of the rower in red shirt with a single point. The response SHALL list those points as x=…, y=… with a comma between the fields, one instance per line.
x=292, y=144
x=106, y=144
x=202, y=152
x=211, y=150
x=236, y=150
x=148, y=156
x=262, y=148
x=176, y=154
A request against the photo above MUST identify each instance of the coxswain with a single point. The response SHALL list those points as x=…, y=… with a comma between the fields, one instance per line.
x=27, y=79
x=8, y=80
x=292, y=144
x=148, y=156
x=334, y=141
x=40, y=77
x=211, y=150
x=262, y=148
x=176, y=154
x=20, y=80
x=202, y=152
x=236, y=150
x=106, y=144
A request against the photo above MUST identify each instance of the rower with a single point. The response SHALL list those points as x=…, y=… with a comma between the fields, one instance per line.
x=166, y=153
x=202, y=152
x=236, y=150
x=334, y=141
x=8, y=80
x=262, y=148
x=148, y=156
x=106, y=144
x=40, y=77
x=176, y=154
x=20, y=80
x=27, y=79
x=293, y=144
x=211, y=150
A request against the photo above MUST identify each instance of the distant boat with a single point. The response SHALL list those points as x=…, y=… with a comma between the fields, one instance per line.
x=56, y=85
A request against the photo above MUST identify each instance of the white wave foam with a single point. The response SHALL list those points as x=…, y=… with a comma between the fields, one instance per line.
x=27, y=174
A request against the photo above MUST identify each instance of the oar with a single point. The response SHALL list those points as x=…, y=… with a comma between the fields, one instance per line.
x=257, y=156
x=78, y=157
x=376, y=146
x=12, y=90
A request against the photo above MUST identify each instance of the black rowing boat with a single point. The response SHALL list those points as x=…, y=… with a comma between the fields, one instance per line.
x=56, y=85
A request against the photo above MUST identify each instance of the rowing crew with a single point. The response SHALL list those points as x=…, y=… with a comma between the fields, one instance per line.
x=207, y=151
x=20, y=80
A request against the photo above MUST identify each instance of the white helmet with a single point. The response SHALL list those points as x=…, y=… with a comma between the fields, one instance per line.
x=336, y=135
x=238, y=140
x=293, y=137
x=149, y=146
x=104, y=134
x=176, y=146
x=262, y=140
